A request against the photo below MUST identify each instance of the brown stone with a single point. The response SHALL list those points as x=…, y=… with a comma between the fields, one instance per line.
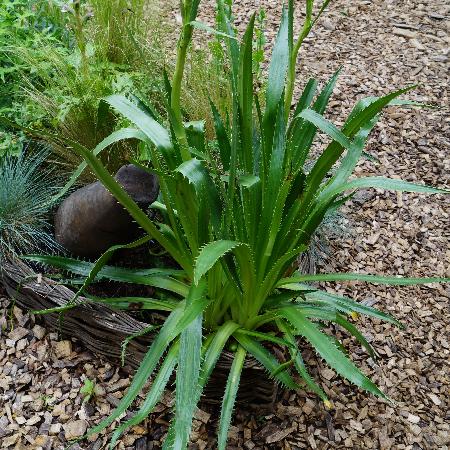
x=91, y=220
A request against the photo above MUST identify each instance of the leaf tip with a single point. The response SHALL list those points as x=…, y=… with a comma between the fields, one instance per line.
x=328, y=405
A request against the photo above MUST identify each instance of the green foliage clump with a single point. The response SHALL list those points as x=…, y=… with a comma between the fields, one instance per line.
x=26, y=192
x=57, y=74
x=60, y=60
x=18, y=24
x=238, y=211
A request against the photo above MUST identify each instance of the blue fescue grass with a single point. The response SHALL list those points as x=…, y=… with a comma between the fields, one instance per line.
x=27, y=187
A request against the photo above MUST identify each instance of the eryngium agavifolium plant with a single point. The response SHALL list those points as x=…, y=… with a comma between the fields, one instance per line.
x=239, y=211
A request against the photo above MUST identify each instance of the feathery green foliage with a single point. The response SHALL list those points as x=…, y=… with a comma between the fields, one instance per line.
x=239, y=211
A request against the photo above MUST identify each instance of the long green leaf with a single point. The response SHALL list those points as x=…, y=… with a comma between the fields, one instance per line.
x=347, y=305
x=245, y=85
x=229, y=397
x=214, y=346
x=326, y=348
x=389, y=280
x=384, y=183
x=157, y=388
x=214, y=351
x=277, y=69
x=222, y=138
x=140, y=303
x=209, y=255
x=327, y=127
x=162, y=278
x=299, y=363
x=303, y=133
x=334, y=150
x=188, y=373
x=149, y=126
x=104, y=258
x=196, y=173
x=356, y=333
x=116, y=136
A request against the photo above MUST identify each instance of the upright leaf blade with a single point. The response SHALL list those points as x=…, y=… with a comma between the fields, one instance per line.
x=229, y=397
x=188, y=373
x=147, y=124
x=277, y=69
x=209, y=255
x=180, y=318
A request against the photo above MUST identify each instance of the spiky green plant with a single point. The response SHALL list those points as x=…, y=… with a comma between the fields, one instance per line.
x=25, y=190
x=239, y=213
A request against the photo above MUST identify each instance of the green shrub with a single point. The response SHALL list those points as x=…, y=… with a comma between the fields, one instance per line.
x=26, y=190
x=239, y=211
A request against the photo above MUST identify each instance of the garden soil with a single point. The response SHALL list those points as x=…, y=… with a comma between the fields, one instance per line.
x=381, y=46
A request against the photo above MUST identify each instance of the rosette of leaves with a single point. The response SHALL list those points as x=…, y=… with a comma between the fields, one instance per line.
x=26, y=192
x=238, y=214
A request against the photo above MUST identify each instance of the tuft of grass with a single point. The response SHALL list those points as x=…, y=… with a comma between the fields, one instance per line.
x=26, y=190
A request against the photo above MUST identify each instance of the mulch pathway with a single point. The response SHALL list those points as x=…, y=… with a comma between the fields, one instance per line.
x=382, y=45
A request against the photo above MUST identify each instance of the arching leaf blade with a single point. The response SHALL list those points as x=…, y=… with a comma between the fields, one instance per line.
x=326, y=348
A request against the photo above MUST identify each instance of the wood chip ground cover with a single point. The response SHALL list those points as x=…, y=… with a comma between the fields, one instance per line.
x=382, y=45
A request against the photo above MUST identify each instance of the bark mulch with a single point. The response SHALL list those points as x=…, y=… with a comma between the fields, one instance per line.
x=382, y=45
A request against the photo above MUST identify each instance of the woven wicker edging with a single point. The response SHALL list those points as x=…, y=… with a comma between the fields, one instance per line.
x=103, y=329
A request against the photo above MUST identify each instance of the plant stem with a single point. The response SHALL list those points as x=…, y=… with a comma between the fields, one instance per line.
x=183, y=44
x=79, y=36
